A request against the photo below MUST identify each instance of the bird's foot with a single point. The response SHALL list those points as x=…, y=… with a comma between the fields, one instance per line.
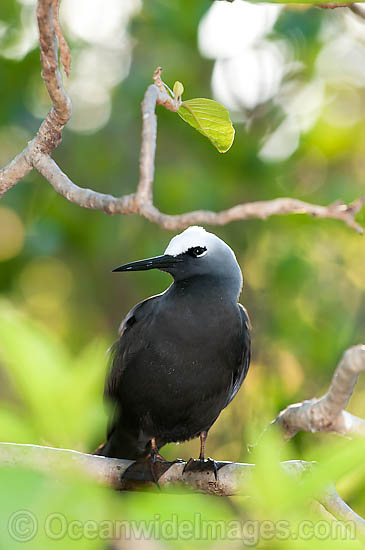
x=202, y=465
x=155, y=456
x=149, y=468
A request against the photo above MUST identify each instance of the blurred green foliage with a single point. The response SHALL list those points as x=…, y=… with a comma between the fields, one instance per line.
x=60, y=304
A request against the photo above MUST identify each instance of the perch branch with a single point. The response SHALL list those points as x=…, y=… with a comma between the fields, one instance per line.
x=37, y=154
x=232, y=478
x=327, y=413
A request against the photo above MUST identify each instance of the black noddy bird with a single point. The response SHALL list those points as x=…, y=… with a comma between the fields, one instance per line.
x=182, y=355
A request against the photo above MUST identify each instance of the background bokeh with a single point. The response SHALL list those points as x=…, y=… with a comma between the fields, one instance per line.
x=293, y=79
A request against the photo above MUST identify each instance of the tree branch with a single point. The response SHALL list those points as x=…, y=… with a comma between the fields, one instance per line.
x=334, y=504
x=327, y=414
x=232, y=478
x=79, y=195
x=357, y=10
x=50, y=132
x=37, y=153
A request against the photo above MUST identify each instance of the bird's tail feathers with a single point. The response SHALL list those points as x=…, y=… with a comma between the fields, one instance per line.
x=122, y=444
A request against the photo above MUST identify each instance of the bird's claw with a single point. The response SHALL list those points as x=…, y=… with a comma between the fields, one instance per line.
x=207, y=465
x=156, y=457
x=150, y=468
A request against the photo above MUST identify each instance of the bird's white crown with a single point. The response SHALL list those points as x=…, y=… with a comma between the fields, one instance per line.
x=193, y=236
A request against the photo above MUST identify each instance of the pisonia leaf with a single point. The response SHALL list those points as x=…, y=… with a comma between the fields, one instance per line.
x=211, y=119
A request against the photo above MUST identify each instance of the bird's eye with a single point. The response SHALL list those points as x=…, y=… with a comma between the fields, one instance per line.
x=197, y=251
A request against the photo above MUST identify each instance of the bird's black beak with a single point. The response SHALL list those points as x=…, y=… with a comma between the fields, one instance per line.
x=165, y=263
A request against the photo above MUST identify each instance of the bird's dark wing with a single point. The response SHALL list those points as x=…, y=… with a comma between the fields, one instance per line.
x=120, y=442
x=122, y=345
x=240, y=373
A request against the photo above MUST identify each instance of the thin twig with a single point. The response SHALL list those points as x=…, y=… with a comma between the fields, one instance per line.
x=332, y=502
x=79, y=195
x=50, y=133
x=327, y=414
x=65, y=54
x=355, y=8
x=37, y=153
x=261, y=210
x=334, y=5
x=134, y=204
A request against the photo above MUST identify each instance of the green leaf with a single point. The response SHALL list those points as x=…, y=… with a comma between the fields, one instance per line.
x=178, y=89
x=210, y=119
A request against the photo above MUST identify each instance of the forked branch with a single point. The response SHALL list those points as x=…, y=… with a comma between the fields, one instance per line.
x=328, y=414
x=37, y=154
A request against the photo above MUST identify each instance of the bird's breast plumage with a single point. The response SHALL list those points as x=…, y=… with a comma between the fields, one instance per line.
x=177, y=364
